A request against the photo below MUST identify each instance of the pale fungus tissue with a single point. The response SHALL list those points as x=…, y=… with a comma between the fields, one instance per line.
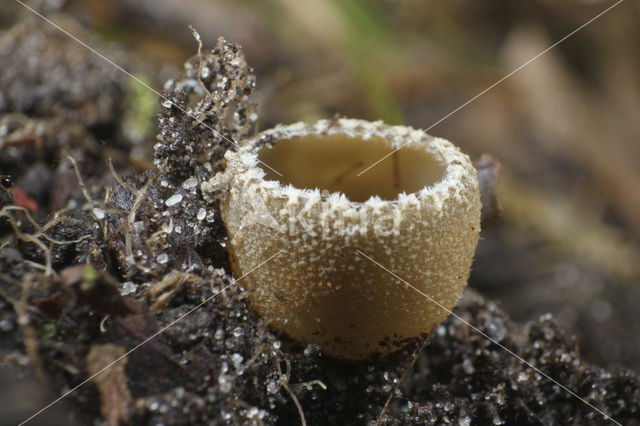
x=306, y=190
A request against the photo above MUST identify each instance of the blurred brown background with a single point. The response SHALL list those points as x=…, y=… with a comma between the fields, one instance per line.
x=566, y=128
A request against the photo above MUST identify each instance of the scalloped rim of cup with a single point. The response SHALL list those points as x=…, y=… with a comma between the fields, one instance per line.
x=399, y=136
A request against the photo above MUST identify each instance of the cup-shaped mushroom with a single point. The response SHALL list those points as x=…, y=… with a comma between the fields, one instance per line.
x=308, y=192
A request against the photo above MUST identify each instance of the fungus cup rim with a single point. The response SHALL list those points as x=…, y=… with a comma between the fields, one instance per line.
x=398, y=137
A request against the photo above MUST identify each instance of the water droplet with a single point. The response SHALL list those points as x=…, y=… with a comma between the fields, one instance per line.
x=179, y=392
x=6, y=325
x=98, y=213
x=225, y=384
x=464, y=421
x=190, y=183
x=128, y=288
x=497, y=329
x=237, y=360
x=272, y=386
x=467, y=366
x=173, y=200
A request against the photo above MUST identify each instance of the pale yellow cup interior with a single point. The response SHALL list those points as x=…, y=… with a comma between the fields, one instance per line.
x=333, y=162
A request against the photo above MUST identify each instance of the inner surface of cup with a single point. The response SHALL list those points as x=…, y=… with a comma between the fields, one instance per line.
x=332, y=162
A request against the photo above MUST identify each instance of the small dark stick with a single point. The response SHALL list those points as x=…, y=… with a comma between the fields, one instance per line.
x=488, y=171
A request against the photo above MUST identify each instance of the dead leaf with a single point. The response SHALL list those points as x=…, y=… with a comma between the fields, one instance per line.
x=111, y=383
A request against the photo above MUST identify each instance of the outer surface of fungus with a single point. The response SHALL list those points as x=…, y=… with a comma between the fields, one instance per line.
x=417, y=213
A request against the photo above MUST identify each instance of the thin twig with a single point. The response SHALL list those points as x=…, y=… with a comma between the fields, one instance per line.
x=284, y=380
x=80, y=180
x=414, y=358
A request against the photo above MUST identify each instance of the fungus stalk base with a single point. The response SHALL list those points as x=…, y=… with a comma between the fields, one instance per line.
x=417, y=213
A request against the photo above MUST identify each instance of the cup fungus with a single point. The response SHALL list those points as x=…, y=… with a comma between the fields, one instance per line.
x=417, y=212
